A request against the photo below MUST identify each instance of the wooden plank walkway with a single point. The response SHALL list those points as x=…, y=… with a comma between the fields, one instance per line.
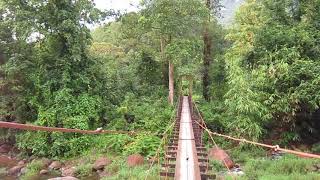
x=187, y=167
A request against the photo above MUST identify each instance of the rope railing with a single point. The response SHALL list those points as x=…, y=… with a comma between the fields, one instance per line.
x=204, y=126
x=163, y=140
x=273, y=147
x=29, y=127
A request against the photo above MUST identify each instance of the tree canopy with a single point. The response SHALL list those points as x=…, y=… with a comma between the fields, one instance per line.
x=251, y=78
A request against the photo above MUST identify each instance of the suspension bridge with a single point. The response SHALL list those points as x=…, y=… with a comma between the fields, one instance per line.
x=186, y=157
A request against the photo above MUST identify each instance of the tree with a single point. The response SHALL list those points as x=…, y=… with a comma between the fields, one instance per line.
x=213, y=7
x=170, y=20
x=60, y=82
x=273, y=64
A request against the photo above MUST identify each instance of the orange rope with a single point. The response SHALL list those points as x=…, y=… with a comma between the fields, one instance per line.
x=206, y=129
x=29, y=127
x=274, y=147
x=215, y=144
x=162, y=141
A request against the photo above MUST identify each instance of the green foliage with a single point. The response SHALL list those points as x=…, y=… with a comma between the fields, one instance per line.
x=33, y=169
x=53, y=144
x=145, y=113
x=121, y=144
x=83, y=170
x=144, y=144
x=120, y=170
x=186, y=55
x=173, y=17
x=51, y=74
x=57, y=78
x=285, y=168
x=113, y=143
x=3, y=172
x=217, y=166
x=288, y=137
x=316, y=148
x=272, y=64
x=243, y=153
x=108, y=33
x=214, y=114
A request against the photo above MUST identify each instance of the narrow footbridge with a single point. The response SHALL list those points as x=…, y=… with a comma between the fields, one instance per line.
x=186, y=157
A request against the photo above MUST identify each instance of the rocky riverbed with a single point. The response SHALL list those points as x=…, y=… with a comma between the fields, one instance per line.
x=12, y=168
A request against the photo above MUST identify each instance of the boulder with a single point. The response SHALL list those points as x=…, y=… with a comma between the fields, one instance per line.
x=55, y=165
x=14, y=171
x=220, y=155
x=43, y=172
x=46, y=162
x=135, y=160
x=21, y=163
x=103, y=173
x=5, y=148
x=23, y=170
x=68, y=171
x=64, y=178
x=101, y=163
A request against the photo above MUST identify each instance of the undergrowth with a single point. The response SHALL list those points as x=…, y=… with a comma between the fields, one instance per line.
x=33, y=170
x=119, y=170
x=288, y=167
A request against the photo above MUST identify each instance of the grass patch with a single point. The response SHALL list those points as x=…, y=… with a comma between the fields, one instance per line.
x=3, y=172
x=217, y=166
x=288, y=167
x=119, y=170
x=244, y=153
x=83, y=170
x=33, y=169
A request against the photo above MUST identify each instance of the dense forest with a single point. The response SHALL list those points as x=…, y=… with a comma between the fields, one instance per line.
x=255, y=78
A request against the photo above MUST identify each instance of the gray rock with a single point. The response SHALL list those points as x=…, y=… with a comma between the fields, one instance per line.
x=236, y=171
x=276, y=155
x=21, y=163
x=103, y=173
x=14, y=171
x=44, y=171
x=55, y=165
x=23, y=170
x=68, y=171
x=5, y=148
x=46, y=162
x=101, y=163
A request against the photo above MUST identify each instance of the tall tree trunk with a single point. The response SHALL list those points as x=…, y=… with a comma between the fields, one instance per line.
x=170, y=71
x=207, y=58
x=165, y=77
x=171, y=83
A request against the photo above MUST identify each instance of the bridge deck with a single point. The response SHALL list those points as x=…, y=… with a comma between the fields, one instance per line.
x=187, y=167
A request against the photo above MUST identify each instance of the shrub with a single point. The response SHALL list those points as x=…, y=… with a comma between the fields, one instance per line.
x=83, y=170
x=286, y=167
x=114, y=143
x=33, y=169
x=144, y=144
x=120, y=170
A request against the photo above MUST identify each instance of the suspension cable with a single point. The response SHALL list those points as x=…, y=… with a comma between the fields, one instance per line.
x=29, y=127
x=163, y=139
x=273, y=147
x=204, y=126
